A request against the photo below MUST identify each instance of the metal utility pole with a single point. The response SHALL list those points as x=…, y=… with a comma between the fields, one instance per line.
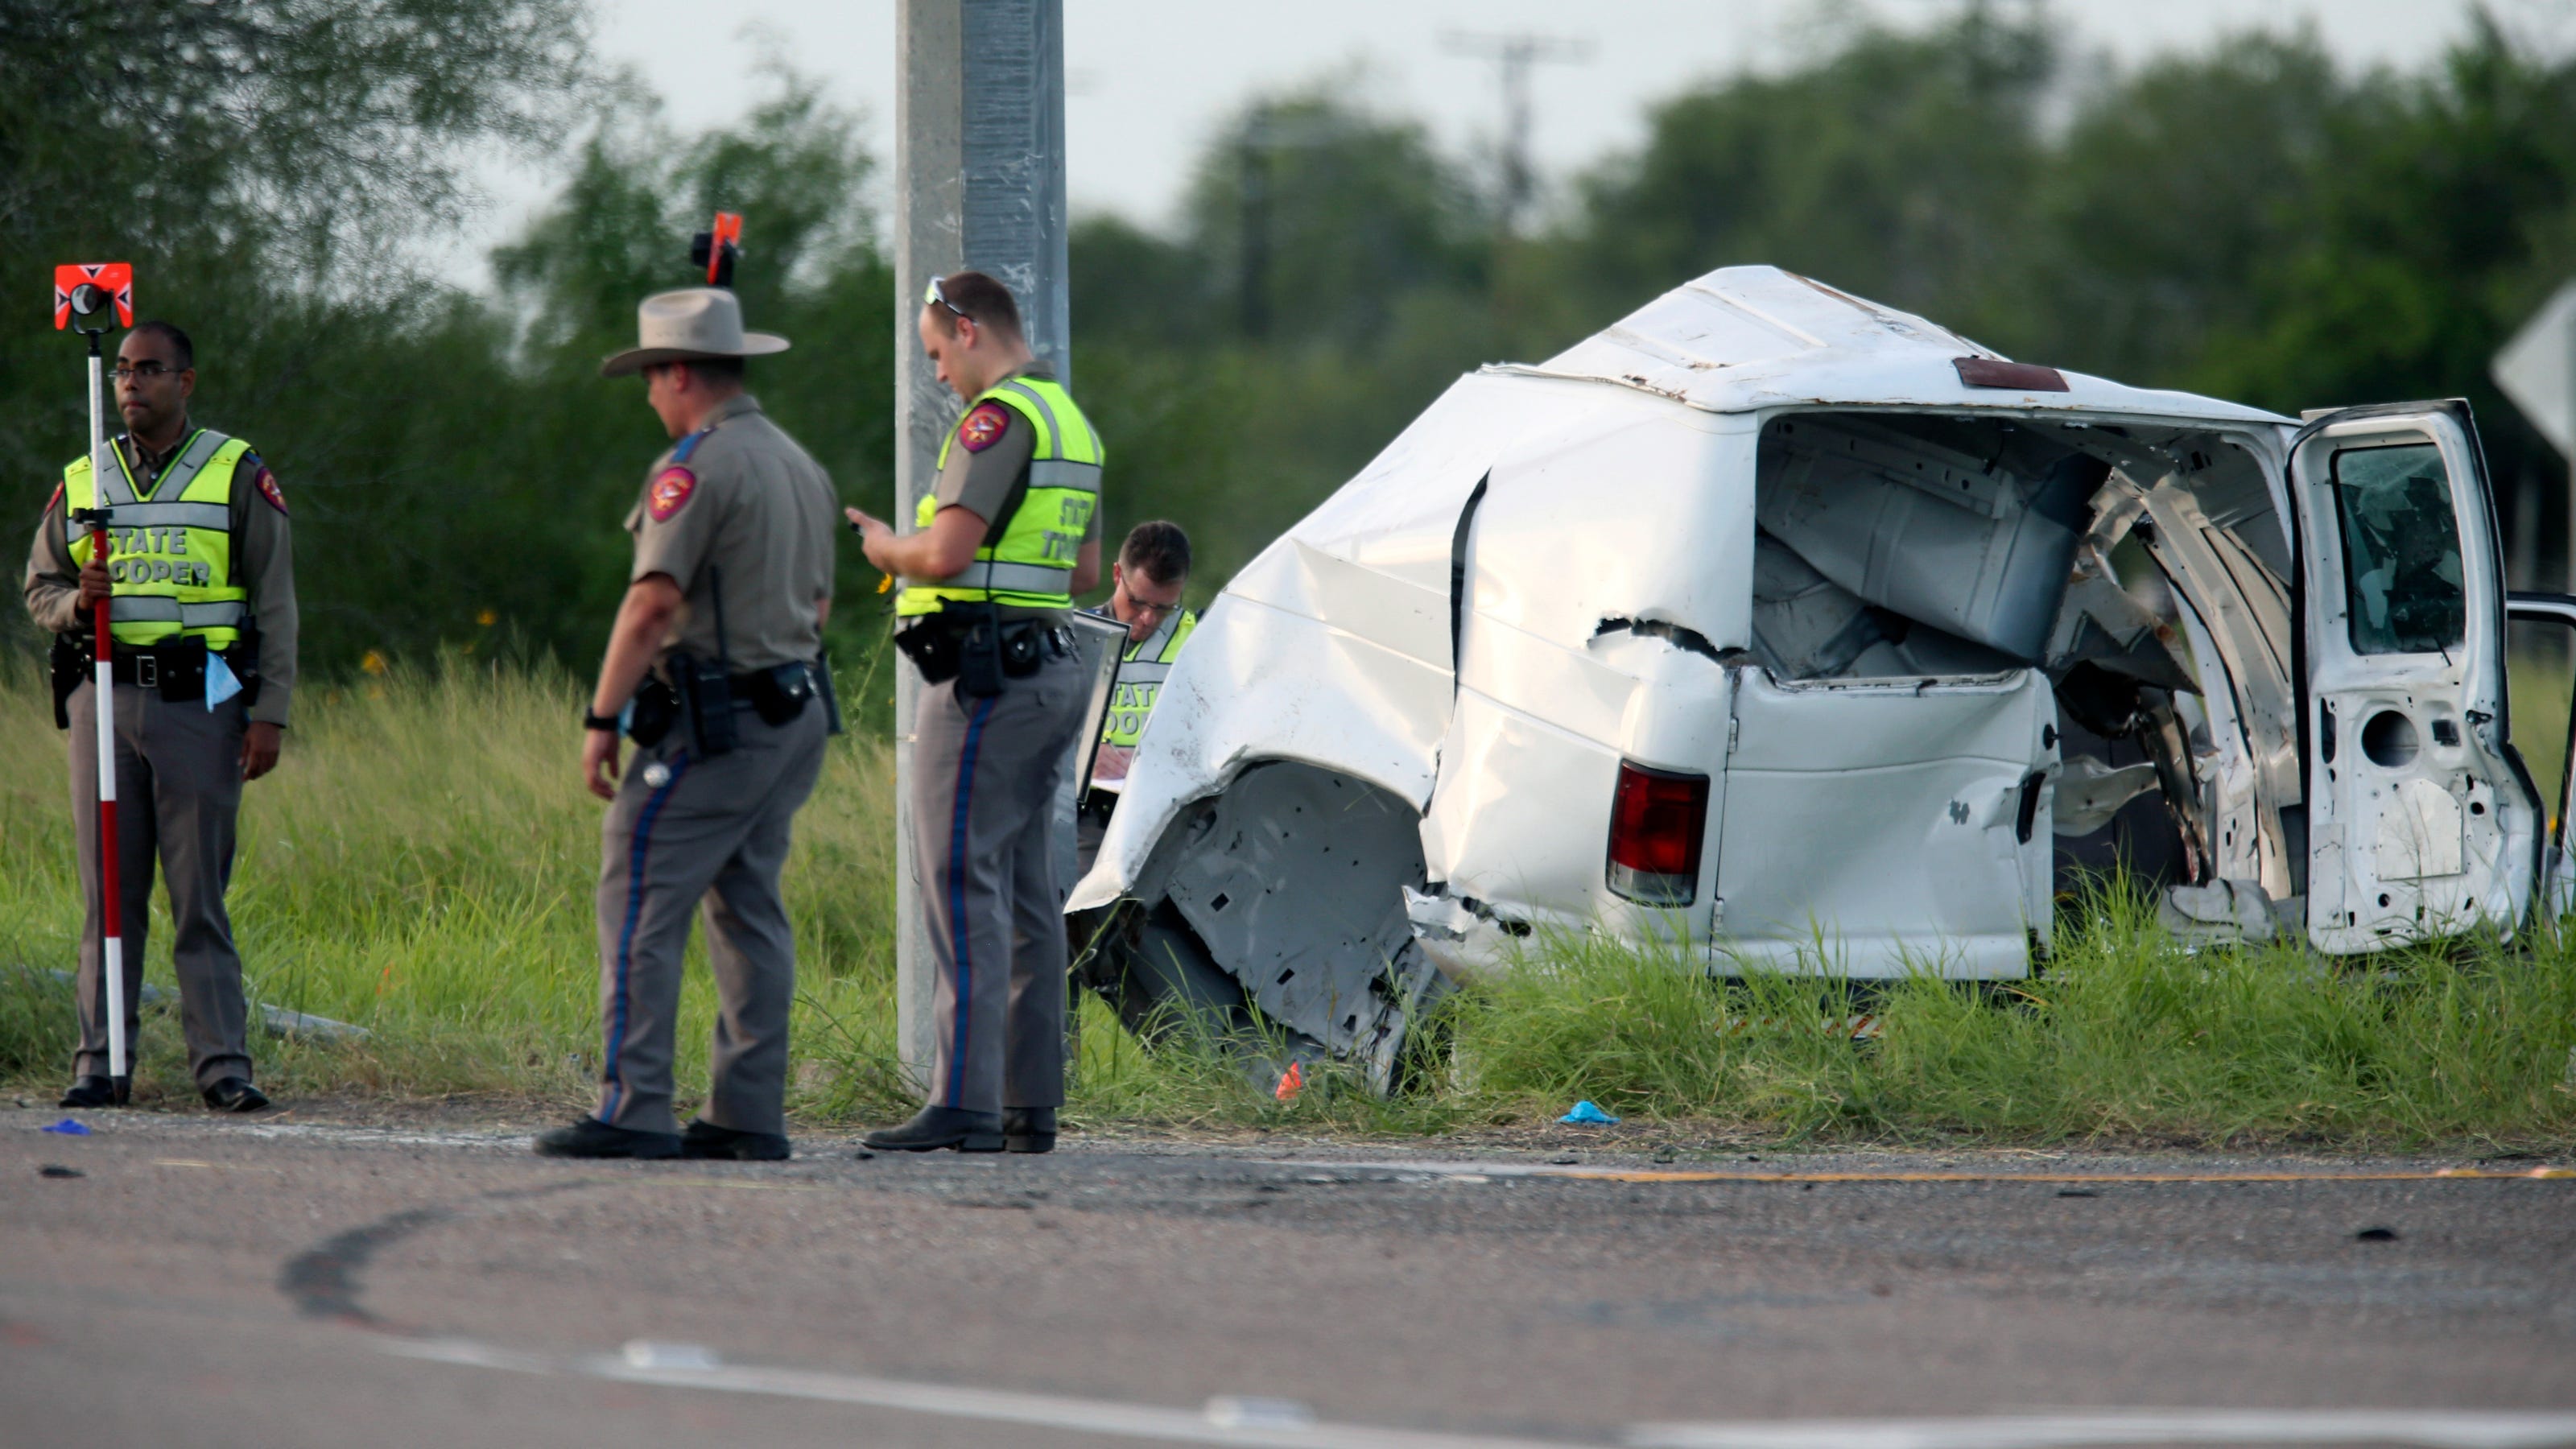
x=979, y=183
x=1513, y=55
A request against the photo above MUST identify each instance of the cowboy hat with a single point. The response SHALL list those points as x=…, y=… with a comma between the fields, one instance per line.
x=689, y=323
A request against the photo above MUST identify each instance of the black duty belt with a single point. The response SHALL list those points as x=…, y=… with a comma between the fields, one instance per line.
x=176, y=671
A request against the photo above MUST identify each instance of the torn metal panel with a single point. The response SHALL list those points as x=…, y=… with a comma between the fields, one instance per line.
x=1296, y=884
x=2089, y=792
x=2239, y=622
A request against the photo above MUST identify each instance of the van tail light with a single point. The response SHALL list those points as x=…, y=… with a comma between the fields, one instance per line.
x=1657, y=821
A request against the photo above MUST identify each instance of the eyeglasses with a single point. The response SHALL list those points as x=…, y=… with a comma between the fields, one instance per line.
x=123, y=373
x=938, y=298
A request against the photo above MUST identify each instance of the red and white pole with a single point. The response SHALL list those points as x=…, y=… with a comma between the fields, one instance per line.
x=87, y=290
x=111, y=899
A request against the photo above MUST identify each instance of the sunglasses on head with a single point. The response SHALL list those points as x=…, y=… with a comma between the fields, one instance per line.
x=936, y=297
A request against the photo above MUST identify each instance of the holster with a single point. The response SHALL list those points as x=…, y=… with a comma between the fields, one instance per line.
x=831, y=692
x=650, y=715
x=67, y=664
x=706, y=702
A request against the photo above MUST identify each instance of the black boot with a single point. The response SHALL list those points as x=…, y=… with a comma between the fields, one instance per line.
x=591, y=1137
x=1028, y=1129
x=235, y=1094
x=706, y=1139
x=933, y=1128
x=94, y=1091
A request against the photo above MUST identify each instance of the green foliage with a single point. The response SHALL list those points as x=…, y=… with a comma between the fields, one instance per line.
x=1897, y=166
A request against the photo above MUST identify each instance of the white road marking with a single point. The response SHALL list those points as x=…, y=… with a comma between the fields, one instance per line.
x=1252, y=1423
x=1277, y=1424
x=2432, y=1428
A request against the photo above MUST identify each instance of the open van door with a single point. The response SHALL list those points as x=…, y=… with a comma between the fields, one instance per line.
x=2423, y=821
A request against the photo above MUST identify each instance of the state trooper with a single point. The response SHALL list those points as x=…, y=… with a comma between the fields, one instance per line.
x=713, y=668
x=1146, y=582
x=1008, y=536
x=200, y=579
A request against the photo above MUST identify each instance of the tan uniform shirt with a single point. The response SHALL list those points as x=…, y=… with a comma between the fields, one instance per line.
x=989, y=482
x=738, y=506
x=263, y=562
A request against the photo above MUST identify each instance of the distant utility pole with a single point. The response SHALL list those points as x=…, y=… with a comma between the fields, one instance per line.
x=1263, y=135
x=1513, y=55
x=979, y=182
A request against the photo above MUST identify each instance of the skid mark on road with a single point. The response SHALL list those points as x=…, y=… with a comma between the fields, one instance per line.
x=325, y=1281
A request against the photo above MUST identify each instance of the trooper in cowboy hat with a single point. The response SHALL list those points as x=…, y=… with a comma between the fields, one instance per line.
x=714, y=670
x=693, y=324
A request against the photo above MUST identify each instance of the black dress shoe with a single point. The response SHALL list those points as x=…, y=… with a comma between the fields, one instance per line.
x=934, y=1128
x=1028, y=1129
x=591, y=1137
x=234, y=1094
x=93, y=1092
x=706, y=1139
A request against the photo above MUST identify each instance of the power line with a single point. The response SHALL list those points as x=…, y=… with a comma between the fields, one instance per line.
x=1513, y=55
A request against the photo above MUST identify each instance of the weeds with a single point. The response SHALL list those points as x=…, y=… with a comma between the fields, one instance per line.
x=422, y=866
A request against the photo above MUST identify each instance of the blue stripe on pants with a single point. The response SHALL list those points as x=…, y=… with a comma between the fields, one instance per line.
x=957, y=927
x=626, y=934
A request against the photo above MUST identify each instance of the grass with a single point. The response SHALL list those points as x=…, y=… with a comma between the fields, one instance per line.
x=422, y=866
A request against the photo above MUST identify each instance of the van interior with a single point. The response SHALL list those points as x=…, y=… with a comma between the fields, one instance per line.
x=1903, y=549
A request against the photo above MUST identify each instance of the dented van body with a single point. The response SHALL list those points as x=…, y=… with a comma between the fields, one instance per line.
x=1806, y=634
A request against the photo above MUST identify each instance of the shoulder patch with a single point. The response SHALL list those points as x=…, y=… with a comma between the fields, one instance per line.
x=269, y=490
x=672, y=489
x=983, y=426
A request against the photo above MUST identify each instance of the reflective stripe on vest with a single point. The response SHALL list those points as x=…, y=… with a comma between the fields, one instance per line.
x=1141, y=672
x=148, y=609
x=169, y=547
x=1029, y=561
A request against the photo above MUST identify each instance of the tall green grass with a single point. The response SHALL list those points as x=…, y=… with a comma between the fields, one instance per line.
x=422, y=866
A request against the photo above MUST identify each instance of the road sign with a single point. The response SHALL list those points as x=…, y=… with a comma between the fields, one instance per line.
x=2537, y=369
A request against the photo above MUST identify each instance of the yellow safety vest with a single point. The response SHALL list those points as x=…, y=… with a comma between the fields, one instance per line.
x=1141, y=672
x=170, y=544
x=1031, y=565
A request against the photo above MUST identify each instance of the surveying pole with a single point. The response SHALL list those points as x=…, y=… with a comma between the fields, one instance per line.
x=83, y=292
x=979, y=183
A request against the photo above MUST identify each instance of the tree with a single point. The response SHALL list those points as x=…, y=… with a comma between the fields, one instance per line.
x=1898, y=166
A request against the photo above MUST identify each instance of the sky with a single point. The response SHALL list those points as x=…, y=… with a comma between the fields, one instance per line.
x=1148, y=81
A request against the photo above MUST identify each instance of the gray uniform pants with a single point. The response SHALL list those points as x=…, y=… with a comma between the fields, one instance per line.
x=178, y=792
x=985, y=774
x=685, y=831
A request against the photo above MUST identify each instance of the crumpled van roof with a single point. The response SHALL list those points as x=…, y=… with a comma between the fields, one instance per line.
x=1746, y=338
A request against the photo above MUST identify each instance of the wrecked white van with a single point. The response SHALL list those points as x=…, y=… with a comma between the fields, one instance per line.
x=1803, y=630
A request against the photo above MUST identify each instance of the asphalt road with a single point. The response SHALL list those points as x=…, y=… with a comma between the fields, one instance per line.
x=216, y=1282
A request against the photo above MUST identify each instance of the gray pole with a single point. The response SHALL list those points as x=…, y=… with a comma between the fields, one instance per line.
x=979, y=183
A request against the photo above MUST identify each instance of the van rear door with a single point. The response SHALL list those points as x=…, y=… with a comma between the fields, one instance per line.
x=2422, y=820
